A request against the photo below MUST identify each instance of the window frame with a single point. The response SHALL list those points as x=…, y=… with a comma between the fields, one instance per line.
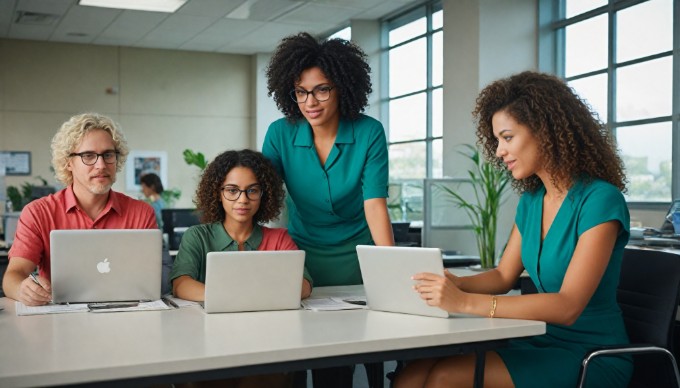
x=426, y=10
x=551, y=59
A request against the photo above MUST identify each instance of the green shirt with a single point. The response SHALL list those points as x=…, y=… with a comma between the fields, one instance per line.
x=198, y=240
x=326, y=202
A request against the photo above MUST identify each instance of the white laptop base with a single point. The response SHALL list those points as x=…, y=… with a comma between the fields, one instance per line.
x=239, y=281
x=387, y=275
x=105, y=265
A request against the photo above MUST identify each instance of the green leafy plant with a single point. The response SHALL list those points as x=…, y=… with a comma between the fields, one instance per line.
x=489, y=184
x=195, y=158
x=170, y=196
x=15, y=197
x=21, y=197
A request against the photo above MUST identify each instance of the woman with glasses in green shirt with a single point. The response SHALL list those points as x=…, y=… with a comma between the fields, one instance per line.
x=332, y=158
x=239, y=191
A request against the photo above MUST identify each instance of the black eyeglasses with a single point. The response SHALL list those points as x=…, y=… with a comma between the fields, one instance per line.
x=321, y=93
x=233, y=193
x=90, y=158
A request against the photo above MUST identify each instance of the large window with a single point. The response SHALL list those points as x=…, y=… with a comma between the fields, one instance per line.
x=618, y=56
x=413, y=93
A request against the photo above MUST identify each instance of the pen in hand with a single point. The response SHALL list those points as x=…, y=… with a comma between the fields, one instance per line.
x=35, y=280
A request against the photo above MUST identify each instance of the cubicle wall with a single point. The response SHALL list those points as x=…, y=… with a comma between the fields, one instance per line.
x=9, y=226
x=448, y=227
x=405, y=201
x=445, y=225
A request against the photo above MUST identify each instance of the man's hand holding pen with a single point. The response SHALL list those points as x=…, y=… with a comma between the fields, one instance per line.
x=35, y=291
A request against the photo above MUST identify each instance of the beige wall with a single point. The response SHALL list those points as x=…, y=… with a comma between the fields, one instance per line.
x=166, y=101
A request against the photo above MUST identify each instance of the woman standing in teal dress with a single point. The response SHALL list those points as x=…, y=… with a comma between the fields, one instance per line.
x=332, y=158
x=571, y=227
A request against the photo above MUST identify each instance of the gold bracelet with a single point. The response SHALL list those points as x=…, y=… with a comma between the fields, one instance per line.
x=493, y=307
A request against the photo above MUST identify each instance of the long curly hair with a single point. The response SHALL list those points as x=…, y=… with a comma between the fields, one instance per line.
x=573, y=142
x=341, y=61
x=208, y=197
x=71, y=134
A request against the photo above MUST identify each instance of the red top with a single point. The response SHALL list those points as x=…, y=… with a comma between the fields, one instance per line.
x=276, y=239
x=61, y=211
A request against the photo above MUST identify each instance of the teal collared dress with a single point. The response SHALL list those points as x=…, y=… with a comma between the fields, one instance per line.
x=326, y=202
x=553, y=359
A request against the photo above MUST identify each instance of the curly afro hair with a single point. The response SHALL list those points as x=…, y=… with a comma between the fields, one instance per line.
x=574, y=143
x=208, y=198
x=341, y=61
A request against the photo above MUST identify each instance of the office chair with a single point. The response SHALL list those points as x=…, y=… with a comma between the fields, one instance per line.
x=177, y=218
x=648, y=297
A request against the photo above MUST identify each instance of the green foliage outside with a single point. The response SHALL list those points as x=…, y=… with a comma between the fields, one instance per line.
x=645, y=185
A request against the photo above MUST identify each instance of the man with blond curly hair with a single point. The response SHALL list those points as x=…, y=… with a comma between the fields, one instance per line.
x=87, y=152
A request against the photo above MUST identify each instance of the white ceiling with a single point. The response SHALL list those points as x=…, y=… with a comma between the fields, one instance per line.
x=200, y=25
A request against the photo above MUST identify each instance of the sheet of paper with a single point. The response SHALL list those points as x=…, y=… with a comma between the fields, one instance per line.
x=142, y=306
x=180, y=302
x=334, y=303
x=22, y=309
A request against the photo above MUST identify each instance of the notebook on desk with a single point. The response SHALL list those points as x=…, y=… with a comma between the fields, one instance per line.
x=240, y=281
x=387, y=275
x=105, y=265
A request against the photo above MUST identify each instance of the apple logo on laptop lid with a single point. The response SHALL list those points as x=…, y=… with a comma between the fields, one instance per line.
x=104, y=266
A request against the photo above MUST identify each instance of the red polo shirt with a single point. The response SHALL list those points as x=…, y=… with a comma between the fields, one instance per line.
x=61, y=211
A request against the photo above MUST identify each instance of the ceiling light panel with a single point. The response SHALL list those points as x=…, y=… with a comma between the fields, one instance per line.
x=168, y=6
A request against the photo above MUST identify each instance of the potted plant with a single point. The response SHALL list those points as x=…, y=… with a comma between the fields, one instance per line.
x=19, y=197
x=489, y=184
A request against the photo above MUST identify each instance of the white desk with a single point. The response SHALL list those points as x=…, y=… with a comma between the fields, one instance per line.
x=187, y=344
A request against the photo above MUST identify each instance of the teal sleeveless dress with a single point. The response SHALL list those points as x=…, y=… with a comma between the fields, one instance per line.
x=554, y=359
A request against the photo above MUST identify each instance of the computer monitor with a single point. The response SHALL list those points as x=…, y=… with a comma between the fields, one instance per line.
x=41, y=191
x=175, y=219
x=400, y=231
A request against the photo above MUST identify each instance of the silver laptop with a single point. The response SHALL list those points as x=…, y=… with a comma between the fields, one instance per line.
x=105, y=265
x=238, y=281
x=387, y=275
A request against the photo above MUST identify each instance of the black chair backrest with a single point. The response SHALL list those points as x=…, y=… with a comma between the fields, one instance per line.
x=173, y=218
x=400, y=231
x=648, y=295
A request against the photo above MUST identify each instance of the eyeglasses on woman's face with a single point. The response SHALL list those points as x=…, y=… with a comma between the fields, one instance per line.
x=91, y=158
x=321, y=93
x=233, y=193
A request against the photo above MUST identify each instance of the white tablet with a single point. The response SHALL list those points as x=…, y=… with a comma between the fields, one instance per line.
x=387, y=275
